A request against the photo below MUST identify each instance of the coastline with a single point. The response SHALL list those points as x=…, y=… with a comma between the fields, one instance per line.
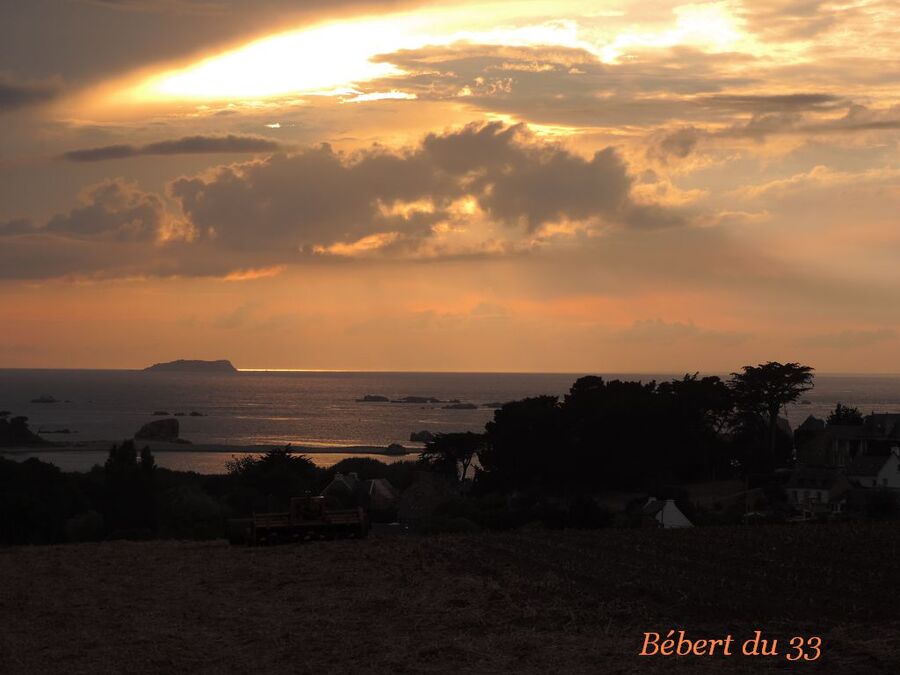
x=210, y=448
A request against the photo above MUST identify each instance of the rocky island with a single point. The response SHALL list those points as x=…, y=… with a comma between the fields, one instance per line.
x=192, y=366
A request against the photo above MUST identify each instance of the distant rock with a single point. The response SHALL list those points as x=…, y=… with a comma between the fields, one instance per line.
x=194, y=413
x=371, y=398
x=44, y=398
x=461, y=406
x=179, y=414
x=423, y=436
x=193, y=366
x=492, y=404
x=416, y=399
x=160, y=413
x=160, y=430
x=396, y=449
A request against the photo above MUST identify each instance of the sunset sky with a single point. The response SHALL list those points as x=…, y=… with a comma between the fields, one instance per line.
x=601, y=186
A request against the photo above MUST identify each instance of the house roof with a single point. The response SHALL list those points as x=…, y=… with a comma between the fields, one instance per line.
x=812, y=424
x=867, y=465
x=381, y=487
x=344, y=483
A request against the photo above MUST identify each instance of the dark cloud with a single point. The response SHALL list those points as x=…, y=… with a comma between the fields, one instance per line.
x=857, y=118
x=189, y=145
x=673, y=143
x=566, y=86
x=18, y=95
x=114, y=210
x=274, y=210
x=319, y=197
x=770, y=103
x=795, y=19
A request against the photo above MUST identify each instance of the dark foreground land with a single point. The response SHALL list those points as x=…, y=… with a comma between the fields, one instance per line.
x=526, y=602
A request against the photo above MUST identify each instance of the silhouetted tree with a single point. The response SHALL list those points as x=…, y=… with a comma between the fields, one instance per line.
x=764, y=389
x=148, y=463
x=616, y=434
x=698, y=412
x=843, y=415
x=36, y=499
x=130, y=503
x=453, y=451
x=269, y=481
x=524, y=444
x=15, y=431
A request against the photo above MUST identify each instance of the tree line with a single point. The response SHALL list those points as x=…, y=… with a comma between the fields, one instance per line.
x=616, y=435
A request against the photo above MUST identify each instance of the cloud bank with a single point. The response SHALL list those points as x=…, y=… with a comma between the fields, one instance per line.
x=189, y=145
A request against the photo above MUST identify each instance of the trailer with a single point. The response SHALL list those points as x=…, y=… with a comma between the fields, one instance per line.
x=307, y=519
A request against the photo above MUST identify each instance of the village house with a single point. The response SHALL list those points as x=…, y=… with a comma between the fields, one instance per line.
x=818, y=490
x=876, y=471
x=838, y=446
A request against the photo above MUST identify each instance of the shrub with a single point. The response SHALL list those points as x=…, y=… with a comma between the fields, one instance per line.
x=188, y=513
x=87, y=526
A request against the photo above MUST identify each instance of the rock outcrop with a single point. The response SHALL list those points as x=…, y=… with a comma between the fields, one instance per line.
x=160, y=430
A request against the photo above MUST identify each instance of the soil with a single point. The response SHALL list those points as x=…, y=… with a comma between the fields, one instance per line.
x=525, y=602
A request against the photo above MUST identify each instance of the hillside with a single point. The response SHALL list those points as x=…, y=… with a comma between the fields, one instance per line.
x=529, y=602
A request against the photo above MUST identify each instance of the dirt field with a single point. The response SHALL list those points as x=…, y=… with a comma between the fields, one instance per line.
x=528, y=602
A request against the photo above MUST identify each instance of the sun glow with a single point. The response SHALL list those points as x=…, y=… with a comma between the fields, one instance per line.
x=333, y=59
x=709, y=25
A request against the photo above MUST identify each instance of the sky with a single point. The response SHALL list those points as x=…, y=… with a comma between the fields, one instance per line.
x=561, y=186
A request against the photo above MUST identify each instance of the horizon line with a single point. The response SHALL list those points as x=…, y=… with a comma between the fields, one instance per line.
x=675, y=372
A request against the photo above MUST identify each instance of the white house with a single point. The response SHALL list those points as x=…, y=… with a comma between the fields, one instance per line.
x=665, y=513
x=870, y=471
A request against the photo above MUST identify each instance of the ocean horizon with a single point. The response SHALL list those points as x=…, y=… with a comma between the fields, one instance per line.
x=318, y=409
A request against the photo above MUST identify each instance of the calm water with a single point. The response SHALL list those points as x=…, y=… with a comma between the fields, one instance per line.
x=201, y=462
x=316, y=409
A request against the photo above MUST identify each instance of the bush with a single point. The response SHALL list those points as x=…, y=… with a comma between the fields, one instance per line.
x=36, y=500
x=490, y=512
x=87, y=526
x=267, y=483
x=188, y=513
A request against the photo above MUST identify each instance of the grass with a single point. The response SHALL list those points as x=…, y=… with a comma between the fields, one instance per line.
x=524, y=602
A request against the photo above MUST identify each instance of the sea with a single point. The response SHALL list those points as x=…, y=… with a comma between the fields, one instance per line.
x=319, y=412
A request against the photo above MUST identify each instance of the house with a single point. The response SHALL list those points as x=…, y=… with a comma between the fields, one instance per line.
x=342, y=491
x=817, y=490
x=664, y=514
x=882, y=470
x=838, y=445
x=380, y=497
x=812, y=423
